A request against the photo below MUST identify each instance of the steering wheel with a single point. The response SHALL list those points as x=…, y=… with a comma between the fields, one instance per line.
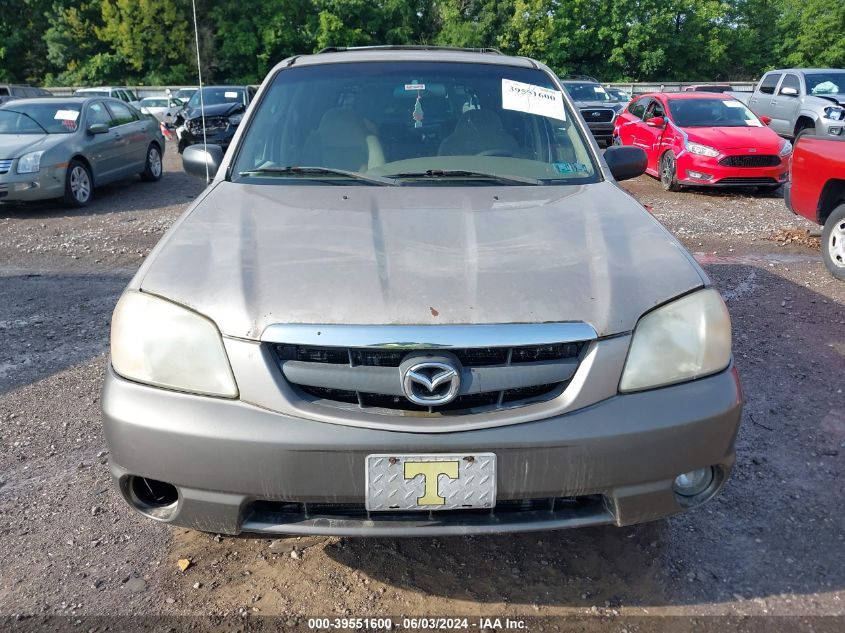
x=496, y=151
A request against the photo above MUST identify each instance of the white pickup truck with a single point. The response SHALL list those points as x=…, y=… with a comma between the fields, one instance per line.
x=800, y=99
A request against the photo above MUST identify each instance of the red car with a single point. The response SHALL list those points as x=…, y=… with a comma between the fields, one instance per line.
x=816, y=190
x=698, y=138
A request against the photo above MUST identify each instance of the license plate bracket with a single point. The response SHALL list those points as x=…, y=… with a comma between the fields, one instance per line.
x=430, y=482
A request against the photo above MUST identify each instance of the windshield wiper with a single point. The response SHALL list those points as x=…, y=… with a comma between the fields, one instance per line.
x=464, y=173
x=28, y=117
x=292, y=170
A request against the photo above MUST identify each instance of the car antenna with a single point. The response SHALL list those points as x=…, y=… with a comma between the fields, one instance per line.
x=199, y=78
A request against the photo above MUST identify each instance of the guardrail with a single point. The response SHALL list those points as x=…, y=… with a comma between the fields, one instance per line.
x=633, y=88
x=638, y=88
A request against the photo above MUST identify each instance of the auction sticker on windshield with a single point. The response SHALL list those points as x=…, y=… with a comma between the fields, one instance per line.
x=532, y=99
x=430, y=482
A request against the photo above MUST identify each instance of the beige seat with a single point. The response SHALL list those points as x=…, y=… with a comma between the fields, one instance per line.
x=477, y=132
x=341, y=141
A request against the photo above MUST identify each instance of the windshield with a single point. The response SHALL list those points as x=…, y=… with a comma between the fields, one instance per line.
x=587, y=92
x=829, y=83
x=152, y=102
x=429, y=123
x=712, y=113
x=216, y=96
x=41, y=118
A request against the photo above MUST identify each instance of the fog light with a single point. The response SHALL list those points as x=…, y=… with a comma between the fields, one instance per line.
x=694, y=482
x=697, y=175
x=834, y=130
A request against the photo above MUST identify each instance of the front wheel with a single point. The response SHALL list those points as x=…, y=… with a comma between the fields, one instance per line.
x=833, y=242
x=152, y=168
x=668, y=172
x=79, y=185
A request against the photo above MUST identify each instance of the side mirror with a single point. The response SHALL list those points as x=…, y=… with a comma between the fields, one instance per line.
x=657, y=121
x=201, y=160
x=625, y=161
x=98, y=128
x=788, y=92
x=767, y=120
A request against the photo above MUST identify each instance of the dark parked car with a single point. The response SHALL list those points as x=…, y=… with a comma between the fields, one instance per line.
x=9, y=92
x=597, y=107
x=224, y=108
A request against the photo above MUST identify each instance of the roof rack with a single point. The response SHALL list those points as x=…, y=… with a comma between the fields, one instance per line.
x=582, y=78
x=407, y=47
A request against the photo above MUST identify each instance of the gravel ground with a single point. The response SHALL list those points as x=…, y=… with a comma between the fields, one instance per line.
x=772, y=543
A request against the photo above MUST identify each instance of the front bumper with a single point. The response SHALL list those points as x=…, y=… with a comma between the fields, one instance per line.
x=222, y=138
x=238, y=467
x=48, y=183
x=707, y=171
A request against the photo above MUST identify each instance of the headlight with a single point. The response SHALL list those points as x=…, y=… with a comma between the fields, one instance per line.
x=160, y=343
x=785, y=149
x=685, y=339
x=701, y=150
x=30, y=163
x=834, y=113
x=235, y=119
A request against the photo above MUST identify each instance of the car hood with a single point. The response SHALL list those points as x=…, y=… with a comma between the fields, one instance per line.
x=837, y=97
x=220, y=109
x=763, y=139
x=16, y=145
x=249, y=256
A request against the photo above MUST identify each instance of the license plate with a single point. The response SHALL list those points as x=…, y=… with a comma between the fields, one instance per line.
x=398, y=483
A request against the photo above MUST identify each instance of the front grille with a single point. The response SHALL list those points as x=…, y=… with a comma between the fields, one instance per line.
x=597, y=115
x=370, y=379
x=751, y=160
x=5, y=165
x=287, y=511
x=747, y=182
x=212, y=124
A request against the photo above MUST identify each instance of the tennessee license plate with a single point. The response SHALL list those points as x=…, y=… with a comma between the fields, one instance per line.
x=398, y=483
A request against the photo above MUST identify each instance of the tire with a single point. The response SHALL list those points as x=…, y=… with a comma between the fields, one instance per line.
x=833, y=242
x=153, y=168
x=79, y=184
x=669, y=172
x=804, y=128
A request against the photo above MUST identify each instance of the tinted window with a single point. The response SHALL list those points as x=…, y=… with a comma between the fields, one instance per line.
x=769, y=83
x=828, y=83
x=712, y=113
x=121, y=114
x=415, y=121
x=637, y=108
x=215, y=96
x=587, y=92
x=97, y=113
x=655, y=110
x=790, y=81
x=39, y=118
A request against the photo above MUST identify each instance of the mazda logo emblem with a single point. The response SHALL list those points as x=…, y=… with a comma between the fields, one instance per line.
x=431, y=383
x=596, y=113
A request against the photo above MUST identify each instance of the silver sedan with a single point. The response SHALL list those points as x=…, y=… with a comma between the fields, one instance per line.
x=64, y=147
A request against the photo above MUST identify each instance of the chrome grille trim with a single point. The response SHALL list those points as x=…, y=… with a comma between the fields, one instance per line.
x=412, y=337
x=5, y=165
x=387, y=380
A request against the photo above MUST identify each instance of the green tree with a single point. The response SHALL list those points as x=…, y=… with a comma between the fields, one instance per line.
x=23, y=53
x=813, y=33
